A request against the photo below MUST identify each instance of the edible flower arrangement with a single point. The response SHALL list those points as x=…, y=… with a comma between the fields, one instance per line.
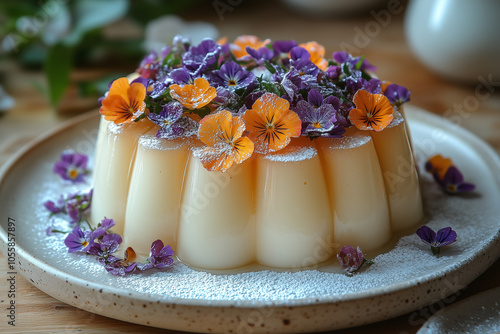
x=252, y=96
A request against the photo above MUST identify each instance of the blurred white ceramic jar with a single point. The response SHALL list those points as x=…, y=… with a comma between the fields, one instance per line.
x=458, y=39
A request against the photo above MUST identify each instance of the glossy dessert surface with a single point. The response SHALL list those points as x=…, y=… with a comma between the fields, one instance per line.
x=277, y=210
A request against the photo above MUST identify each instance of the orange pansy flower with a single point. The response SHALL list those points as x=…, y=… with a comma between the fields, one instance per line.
x=125, y=102
x=438, y=164
x=194, y=96
x=271, y=123
x=317, y=52
x=239, y=46
x=372, y=112
x=221, y=132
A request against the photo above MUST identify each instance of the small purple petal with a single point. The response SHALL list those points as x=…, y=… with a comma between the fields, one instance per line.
x=315, y=98
x=156, y=247
x=426, y=234
x=51, y=206
x=466, y=187
x=453, y=176
x=142, y=81
x=445, y=236
x=199, y=58
x=397, y=94
x=283, y=47
x=181, y=76
x=76, y=241
x=262, y=53
x=299, y=52
x=351, y=259
x=107, y=223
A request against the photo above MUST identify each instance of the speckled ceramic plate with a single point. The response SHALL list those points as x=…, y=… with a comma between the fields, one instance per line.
x=477, y=314
x=401, y=280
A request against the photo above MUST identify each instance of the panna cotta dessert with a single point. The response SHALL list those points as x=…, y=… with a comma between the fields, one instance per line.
x=254, y=152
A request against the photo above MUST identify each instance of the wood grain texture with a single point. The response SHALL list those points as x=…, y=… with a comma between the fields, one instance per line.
x=384, y=46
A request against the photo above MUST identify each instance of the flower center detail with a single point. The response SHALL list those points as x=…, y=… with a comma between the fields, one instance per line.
x=232, y=83
x=73, y=173
x=317, y=125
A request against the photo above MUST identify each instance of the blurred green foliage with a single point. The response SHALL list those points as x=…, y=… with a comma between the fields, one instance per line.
x=57, y=35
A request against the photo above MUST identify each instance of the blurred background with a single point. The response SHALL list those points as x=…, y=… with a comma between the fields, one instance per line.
x=58, y=56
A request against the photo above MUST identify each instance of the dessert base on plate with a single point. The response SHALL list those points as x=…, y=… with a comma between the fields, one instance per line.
x=404, y=279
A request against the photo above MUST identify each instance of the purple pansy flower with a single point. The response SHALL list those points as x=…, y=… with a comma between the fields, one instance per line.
x=227, y=100
x=397, y=94
x=291, y=81
x=182, y=76
x=351, y=259
x=107, y=223
x=74, y=205
x=72, y=166
x=198, y=58
x=453, y=181
x=333, y=72
x=56, y=207
x=261, y=54
x=353, y=84
x=233, y=76
x=117, y=266
x=281, y=51
x=78, y=241
x=252, y=97
x=77, y=205
x=103, y=228
x=342, y=57
x=300, y=59
x=105, y=246
x=168, y=120
x=282, y=48
x=159, y=257
x=120, y=267
x=319, y=115
x=444, y=237
x=73, y=211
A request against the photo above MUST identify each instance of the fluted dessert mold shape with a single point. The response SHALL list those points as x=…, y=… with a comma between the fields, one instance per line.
x=290, y=209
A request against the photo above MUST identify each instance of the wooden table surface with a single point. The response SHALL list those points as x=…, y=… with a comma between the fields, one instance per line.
x=37, y=312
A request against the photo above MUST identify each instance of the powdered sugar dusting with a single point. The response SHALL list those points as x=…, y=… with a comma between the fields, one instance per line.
x=115, y=128
x=349, y=142
x=153, y=143
x=293, y=154
x=396, y=120
x=409, y=259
